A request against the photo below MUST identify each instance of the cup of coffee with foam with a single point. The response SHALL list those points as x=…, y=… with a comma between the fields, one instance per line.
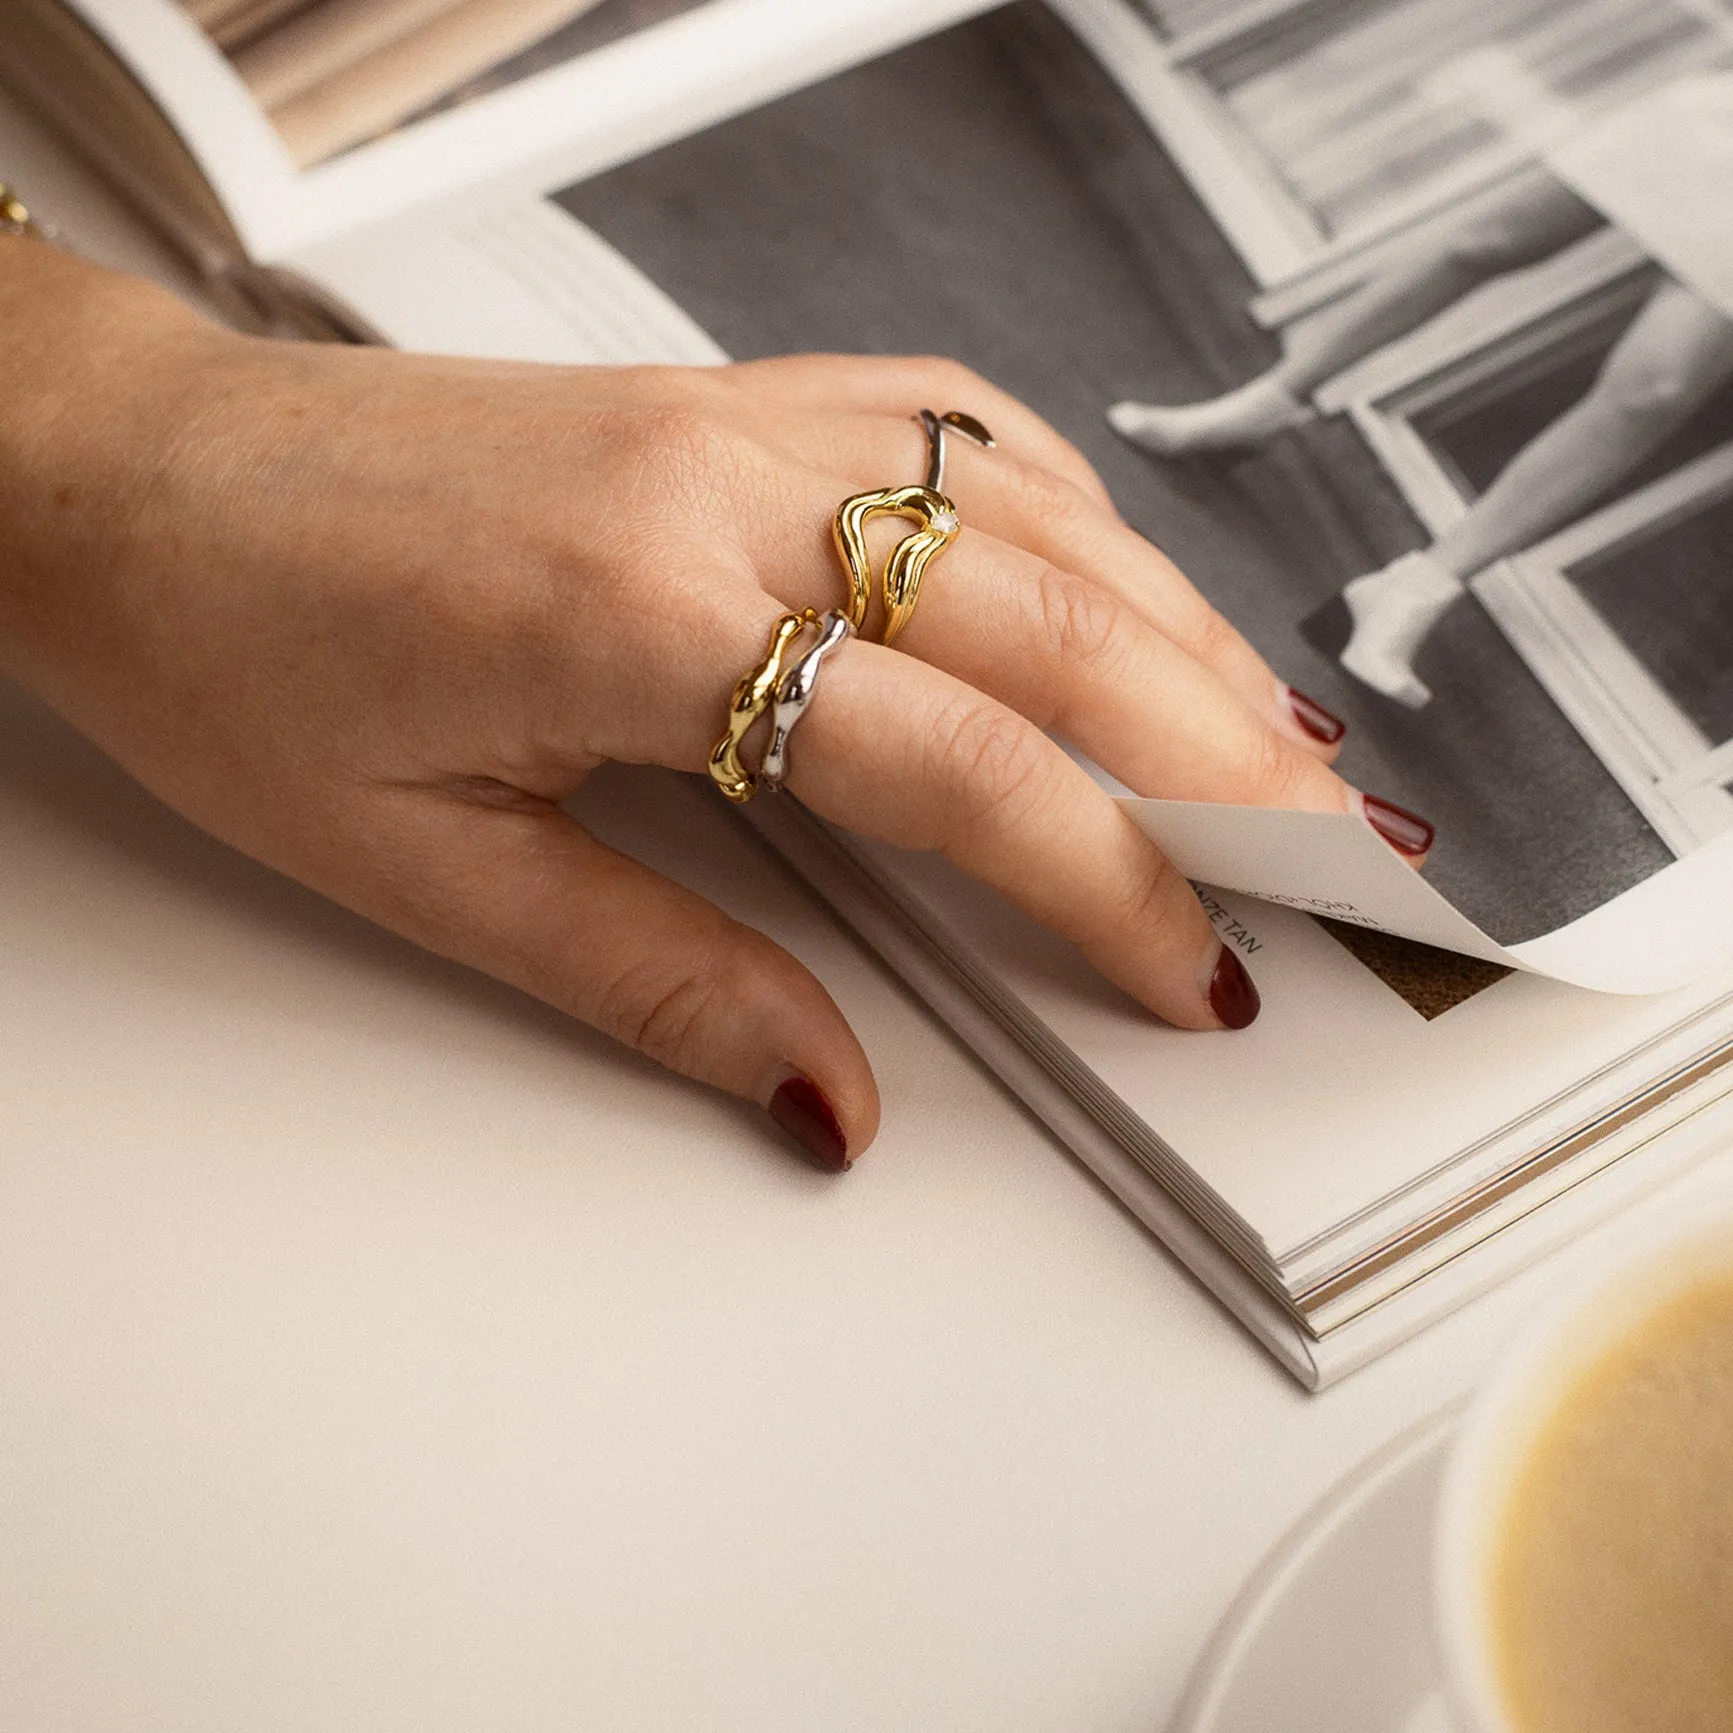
x=1584, y=1554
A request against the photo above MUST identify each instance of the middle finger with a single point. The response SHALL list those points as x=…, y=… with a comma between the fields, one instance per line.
x=1072, y=657
x=1028, y=506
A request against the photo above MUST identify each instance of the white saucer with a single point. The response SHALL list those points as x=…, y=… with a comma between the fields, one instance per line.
x=1332, y=1632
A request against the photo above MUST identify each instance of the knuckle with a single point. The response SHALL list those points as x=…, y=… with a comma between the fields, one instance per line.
x=1090, y=488
x=1277, y=773
x=996, y=762
x=679, y=433
x=1084, y=625
x=1059, y=490
x=1152, y=898
x=647, y=383
x=1058, y=503
x=950, y=378
x=665, y=1018
x=675, y=466
x=1212, y=639
x=682, y=451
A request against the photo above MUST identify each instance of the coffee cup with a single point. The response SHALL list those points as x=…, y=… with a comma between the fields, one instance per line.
x=1587, y=1510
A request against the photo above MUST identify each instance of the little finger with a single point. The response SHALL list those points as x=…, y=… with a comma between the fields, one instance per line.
x=524, y=894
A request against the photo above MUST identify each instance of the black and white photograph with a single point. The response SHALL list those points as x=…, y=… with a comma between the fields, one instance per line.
x=1405, y=328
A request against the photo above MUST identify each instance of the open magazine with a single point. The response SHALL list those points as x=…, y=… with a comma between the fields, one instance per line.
x=1150, y=200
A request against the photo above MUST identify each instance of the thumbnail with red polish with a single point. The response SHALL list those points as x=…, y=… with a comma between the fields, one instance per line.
x=1315, y=719
x=1232, y=996
x=1406, y=832
x=800, y=1108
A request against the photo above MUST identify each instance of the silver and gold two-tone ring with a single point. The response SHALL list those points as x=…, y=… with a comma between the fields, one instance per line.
x=794, y=693
x=779, y=690
x=753, y=695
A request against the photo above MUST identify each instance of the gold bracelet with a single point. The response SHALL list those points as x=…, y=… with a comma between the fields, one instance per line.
x=15, y=217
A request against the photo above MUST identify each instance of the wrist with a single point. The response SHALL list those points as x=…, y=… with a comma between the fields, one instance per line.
x=95, y=368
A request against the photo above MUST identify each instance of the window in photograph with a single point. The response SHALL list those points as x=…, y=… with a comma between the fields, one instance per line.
x=1367, y=109
x=1626, y=615
x=1627, y=618
x=1669, y=597
x=1314, y=128
x=1474, y=432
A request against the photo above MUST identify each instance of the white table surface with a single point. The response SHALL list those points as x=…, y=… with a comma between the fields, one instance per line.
x=379, y=1352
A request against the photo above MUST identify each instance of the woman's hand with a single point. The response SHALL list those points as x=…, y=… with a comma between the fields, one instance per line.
x=372, y=617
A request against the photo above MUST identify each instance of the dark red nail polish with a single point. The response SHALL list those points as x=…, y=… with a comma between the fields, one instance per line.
x=800, y=1108
x=1315, y=719
x=1232, y=996
x=1406, y=832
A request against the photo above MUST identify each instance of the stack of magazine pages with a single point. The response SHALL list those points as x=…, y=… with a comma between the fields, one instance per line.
x=1512, y=210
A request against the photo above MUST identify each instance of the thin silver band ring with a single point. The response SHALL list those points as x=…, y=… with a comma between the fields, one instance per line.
x=936, y=427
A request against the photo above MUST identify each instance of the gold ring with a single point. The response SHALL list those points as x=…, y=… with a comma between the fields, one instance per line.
x=930, y=510
x=752, y=696
x=901, y=583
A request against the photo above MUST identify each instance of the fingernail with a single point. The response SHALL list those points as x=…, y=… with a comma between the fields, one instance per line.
x=1315, y=719
x=800, y=1108
x=1231, y=994
x=1406, y=832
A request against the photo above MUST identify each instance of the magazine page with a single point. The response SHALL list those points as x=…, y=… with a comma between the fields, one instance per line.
x=1314, y=1347
x=1080, y=264
x=314, y=118
x=1105, y=256
x=1668, y=929
x=1362, y=1100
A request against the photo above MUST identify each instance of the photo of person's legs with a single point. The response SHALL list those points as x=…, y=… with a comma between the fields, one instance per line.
x=1673, y=357
x=1535, y=216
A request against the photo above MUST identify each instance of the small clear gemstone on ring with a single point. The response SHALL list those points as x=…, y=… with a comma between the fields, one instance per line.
x=945, y=522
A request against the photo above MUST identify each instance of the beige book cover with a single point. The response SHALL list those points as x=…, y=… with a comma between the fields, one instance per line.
x=325, y=40
x=403, y=76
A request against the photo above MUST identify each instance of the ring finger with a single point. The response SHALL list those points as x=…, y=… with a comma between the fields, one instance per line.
x=953, y=770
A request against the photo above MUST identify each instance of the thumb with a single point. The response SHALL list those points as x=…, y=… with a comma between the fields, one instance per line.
x=530, y=897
